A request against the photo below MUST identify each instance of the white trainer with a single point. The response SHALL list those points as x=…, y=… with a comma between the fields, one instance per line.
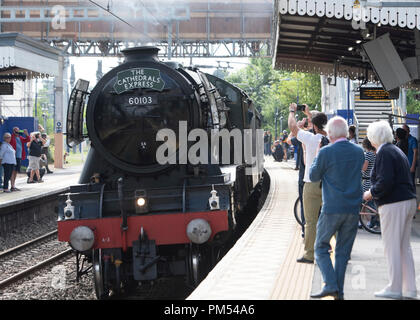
x=410, y=295
x=385, y=293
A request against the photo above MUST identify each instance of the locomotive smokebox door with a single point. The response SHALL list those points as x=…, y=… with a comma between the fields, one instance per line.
x=145, y=260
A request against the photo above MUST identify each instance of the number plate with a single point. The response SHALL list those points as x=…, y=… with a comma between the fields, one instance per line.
x=142, y=100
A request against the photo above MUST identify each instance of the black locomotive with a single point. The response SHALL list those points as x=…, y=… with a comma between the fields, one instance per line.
x=133, y=217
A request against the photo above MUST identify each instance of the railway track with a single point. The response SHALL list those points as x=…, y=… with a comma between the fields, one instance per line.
x=27, y=272
x=28, y=244
x=29, y=253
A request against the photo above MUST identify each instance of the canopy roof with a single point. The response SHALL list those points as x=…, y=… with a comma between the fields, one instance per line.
x=373, y=11
x=24, y=58
x=325, y=36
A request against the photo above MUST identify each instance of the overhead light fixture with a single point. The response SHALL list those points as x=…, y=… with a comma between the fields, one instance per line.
x=350, y=48
x=358, y=41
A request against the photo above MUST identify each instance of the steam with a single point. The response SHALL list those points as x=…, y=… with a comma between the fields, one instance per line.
x=151, y=18
x=148, y=19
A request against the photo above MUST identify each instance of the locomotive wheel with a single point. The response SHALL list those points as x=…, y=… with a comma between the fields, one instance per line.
x=98, y=276
x=197, y=264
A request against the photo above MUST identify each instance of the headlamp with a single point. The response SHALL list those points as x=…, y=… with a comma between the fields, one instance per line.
x=141, y=202
x=82, y=238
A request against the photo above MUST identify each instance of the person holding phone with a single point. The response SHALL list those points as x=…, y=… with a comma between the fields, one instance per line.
x=18, y=139
x=312, y=193
x=35, y=148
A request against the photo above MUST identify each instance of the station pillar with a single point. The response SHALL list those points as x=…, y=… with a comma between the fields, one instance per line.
x=58, y=134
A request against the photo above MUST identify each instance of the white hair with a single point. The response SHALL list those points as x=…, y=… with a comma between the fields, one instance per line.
x=6, y=135
x=380, y=132
x=337, y=127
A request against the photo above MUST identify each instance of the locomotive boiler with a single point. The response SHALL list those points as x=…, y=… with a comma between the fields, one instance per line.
x=133, y=218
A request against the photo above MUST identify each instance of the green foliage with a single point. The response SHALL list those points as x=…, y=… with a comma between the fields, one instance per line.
x=44, y=102
x=413, y=105
x=271, y=89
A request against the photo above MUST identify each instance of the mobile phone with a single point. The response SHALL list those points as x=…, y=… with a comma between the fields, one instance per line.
x=301, y=107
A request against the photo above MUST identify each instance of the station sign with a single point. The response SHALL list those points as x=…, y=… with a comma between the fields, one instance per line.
x=6, y=88
x=346, y=114
x=58, y=127
x=412, y=118
x=373, y=93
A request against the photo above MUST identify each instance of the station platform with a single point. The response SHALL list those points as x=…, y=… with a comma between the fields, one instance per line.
x=262, y=264
x=58, y=181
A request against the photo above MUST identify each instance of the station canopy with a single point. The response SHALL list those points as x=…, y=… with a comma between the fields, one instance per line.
x=23, y=58
x=326, y=36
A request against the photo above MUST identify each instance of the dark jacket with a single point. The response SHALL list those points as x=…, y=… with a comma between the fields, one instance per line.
x=403, y=145
x=391, y=179
x=35, y=148
x=297, y=144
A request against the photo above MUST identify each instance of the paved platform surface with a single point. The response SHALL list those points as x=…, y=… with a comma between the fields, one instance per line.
x=59, y=180
x=367, y=270
x=262, y=264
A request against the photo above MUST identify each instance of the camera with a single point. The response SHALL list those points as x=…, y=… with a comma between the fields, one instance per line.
x=301, y=107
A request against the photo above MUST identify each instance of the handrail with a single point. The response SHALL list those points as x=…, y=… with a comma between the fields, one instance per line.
x=356, y=123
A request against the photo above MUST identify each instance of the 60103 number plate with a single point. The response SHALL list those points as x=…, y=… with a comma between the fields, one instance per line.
x=142, y=100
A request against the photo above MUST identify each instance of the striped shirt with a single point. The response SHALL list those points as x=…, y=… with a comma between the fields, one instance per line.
x=370, y=157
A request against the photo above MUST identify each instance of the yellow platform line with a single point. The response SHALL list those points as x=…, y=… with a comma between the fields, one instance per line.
x=294, y=280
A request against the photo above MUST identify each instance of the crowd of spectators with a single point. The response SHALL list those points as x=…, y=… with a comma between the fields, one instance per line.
x=12, y=153
x=336, y=174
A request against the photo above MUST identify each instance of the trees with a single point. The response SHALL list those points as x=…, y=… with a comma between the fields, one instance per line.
x=271, y=89
x=44, y=106
x=413, y=105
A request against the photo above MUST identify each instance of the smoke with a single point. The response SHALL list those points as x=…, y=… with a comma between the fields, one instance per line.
x=159, y=21
x=146, y=21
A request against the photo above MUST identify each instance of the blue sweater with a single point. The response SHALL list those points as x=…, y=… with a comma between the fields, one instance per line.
x=339, y=167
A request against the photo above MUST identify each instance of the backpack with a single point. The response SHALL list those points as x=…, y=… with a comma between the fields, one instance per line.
x=324, y=141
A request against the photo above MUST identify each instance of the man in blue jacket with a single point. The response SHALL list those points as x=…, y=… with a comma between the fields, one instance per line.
x=339, y=167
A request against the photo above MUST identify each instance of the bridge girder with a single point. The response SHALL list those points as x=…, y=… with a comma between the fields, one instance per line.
x=191, y=28
x=179, y=49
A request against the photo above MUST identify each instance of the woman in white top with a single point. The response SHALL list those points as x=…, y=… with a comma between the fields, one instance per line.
x=7, y=159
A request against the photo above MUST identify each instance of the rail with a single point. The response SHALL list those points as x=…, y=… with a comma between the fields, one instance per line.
x=27, y=244
x=23, y=274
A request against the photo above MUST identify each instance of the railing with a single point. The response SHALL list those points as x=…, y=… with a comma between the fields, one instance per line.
x=356, y=123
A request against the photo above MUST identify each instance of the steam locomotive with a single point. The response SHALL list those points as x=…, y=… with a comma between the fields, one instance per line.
x=133, y=218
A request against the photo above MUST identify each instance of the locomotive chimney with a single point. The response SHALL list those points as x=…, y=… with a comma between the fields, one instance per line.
x=141, y=53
